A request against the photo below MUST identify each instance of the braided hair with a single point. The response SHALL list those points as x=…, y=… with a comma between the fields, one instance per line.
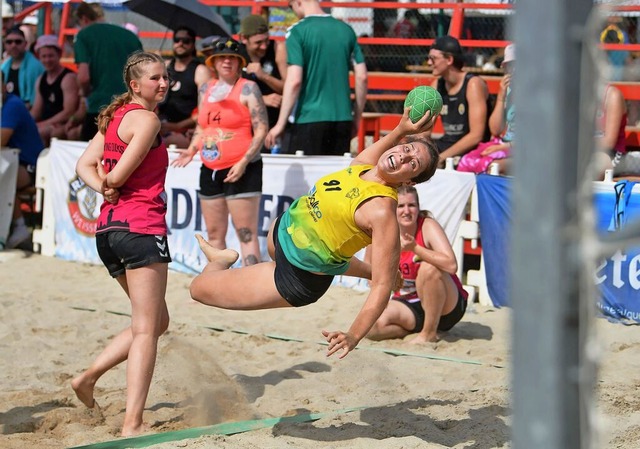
x=133, y=70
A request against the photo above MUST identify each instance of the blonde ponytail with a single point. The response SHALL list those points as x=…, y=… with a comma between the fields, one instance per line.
x=106, y=115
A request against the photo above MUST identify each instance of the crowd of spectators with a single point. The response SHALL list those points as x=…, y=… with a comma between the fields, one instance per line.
x=292, y=77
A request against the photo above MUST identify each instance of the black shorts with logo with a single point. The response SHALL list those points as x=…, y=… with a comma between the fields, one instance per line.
x=122, y=250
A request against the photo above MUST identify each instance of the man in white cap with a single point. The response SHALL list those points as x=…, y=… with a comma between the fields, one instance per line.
x=57, y=91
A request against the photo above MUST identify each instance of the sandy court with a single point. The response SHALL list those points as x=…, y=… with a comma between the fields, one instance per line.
x=219, y=366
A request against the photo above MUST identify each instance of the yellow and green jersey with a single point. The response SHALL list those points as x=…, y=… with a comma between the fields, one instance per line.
x=318, y=233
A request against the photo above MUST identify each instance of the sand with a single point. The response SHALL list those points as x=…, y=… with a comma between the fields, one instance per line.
x=218, y=366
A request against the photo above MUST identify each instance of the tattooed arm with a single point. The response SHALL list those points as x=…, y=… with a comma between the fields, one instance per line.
x=252, y=99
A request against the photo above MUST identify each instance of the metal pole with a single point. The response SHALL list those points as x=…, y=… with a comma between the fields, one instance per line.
x=545, y=274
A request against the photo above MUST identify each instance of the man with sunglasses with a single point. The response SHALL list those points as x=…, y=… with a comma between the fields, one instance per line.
x=101, y=51
x=186, y=73
x=21, y=69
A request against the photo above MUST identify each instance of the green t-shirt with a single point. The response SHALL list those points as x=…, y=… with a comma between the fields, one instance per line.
x=105, y=48
x=325, y=48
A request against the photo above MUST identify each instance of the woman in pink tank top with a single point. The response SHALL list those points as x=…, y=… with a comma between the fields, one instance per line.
x=126, y=161
x=432, y=299
x=232, y=126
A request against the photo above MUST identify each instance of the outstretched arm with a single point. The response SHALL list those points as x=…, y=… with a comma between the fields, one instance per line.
x=372, y=153
x=379, y=217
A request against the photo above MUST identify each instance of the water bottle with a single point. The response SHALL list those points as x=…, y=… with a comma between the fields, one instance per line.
x=275, y=149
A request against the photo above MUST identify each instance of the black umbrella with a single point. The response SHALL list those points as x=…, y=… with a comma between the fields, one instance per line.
x=173, y=13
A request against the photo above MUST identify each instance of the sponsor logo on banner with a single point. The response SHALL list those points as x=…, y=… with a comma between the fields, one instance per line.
x=82, y=204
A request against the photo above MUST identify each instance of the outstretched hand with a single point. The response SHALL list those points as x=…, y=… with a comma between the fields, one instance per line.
x=339, y=340
x=406, y=126
x=183, y=158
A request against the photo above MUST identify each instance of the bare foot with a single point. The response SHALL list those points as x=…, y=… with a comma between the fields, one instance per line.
x=421, y=339
x=135, y=430
x=226, y=257
x=84, y=390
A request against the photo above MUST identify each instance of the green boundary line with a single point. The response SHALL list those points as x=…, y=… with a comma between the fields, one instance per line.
x=217, y=429
x=395, y=352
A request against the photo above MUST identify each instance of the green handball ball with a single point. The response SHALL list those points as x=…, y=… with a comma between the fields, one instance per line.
x=423, y=99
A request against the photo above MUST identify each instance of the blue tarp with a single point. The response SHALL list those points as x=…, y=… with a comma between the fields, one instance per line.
x=617, y=276
x=495, y=221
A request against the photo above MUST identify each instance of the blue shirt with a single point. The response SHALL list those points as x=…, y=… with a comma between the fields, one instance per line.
x=25, y=135
x=30, y=70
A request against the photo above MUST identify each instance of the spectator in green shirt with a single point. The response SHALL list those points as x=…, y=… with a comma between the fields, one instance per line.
x=101, y=50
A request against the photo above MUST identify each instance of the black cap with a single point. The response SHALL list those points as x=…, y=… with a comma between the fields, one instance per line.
x=226, y=46
x=447, y=44
x=206, y=43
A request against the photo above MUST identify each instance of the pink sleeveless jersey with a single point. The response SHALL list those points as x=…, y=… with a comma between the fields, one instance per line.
x=226, y=128
x=409, y=266
x=143, y=202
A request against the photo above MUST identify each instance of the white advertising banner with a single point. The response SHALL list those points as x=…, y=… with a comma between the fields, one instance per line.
x=76, y=207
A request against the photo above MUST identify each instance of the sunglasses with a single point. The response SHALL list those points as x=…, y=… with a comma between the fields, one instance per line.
x=227, y=45
x=13, y=41
x=184, y=40
x=434, y=58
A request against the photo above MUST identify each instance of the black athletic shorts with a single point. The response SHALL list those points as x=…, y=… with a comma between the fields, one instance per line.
x=298, y=287
x=318, y=139
x=446, y=322
x=452, y=318
x=212, y=185
x=122, y=250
